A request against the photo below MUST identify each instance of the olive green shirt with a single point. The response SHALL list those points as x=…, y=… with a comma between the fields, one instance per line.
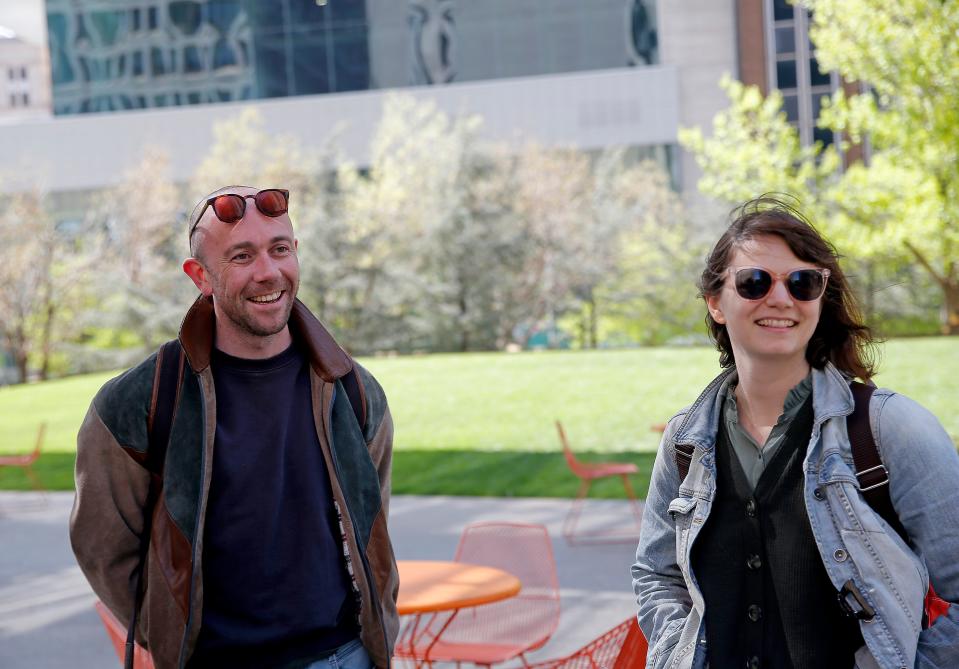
x=752, y=456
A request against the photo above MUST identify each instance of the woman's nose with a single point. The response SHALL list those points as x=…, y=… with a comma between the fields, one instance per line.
x=779, y=294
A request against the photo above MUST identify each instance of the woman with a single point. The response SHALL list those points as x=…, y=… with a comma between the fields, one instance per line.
x=743, y=562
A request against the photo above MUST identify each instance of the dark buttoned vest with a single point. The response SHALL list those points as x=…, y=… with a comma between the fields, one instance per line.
x=769, y=601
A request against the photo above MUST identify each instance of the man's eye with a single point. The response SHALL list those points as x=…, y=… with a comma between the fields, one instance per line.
x=282, y=249
x=240, y=257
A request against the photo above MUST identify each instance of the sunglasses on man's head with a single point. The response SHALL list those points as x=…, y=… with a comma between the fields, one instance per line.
x=230, y=207
x=754, y=283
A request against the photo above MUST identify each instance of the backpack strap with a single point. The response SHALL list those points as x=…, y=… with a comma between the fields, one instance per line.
x=357, y=394
x=166, y=390
x=684, y=457
x=871, y=473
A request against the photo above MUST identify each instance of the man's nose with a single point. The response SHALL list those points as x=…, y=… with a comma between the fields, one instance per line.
x=265, y=267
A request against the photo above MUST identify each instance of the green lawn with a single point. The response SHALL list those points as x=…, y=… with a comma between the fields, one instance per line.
x=482, y=424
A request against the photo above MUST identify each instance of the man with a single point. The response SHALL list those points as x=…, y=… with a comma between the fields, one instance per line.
x=269, y=545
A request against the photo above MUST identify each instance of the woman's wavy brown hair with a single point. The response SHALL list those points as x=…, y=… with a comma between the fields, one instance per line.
x=841, y=337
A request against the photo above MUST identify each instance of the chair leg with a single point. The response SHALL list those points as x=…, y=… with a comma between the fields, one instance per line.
x=35, y=482
x=637, y=512
x=572, y=516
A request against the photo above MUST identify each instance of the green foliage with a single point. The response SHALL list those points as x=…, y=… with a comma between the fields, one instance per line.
x=753, y=149
x=482, y=424
x=903, y=204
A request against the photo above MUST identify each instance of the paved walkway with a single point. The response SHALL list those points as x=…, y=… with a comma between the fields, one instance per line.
x=46, y=607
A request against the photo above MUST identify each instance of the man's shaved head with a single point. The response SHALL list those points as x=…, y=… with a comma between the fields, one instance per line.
x=196, y=233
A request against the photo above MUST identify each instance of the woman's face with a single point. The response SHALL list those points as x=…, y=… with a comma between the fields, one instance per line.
x=776, y=328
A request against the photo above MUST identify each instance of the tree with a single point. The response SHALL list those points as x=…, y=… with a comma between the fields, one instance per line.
x=142, y=241
x=43, y=272
x=649, y=293
x=902, y=204
x=907, y=199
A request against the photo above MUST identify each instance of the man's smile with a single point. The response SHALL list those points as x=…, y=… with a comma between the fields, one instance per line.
x=268, y=298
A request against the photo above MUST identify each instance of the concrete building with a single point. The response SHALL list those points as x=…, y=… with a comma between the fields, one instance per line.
x=128, y=73
x=24, y=79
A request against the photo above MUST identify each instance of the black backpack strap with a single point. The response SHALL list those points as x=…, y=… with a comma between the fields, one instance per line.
x=871, y=473
x=166, y=389
x=684, y=457
x=357, y=394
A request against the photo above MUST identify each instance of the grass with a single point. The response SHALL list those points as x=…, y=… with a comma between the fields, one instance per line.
x=482, y=424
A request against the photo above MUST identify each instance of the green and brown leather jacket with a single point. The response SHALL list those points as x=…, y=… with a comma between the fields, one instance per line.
x=112, y=487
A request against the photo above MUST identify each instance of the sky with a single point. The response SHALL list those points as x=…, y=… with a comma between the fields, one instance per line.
x=26, y=18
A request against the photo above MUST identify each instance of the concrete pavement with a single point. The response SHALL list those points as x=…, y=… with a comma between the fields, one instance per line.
x=46, y=607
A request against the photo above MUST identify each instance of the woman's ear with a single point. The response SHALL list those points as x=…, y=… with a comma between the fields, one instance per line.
x=712, y=303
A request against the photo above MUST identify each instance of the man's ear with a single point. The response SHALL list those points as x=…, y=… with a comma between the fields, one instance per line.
x=712, y=303
x=199, y=274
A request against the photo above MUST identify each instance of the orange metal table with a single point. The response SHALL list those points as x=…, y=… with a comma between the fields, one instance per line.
x=431, y=587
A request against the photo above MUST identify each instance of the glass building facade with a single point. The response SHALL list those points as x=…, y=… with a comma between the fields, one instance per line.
x=114, y=55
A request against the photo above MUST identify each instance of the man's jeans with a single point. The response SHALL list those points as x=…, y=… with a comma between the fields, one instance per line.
x=350, y=655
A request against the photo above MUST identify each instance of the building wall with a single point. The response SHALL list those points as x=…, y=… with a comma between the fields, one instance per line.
x=24, y=79
x=623, y=107
x=698, y=38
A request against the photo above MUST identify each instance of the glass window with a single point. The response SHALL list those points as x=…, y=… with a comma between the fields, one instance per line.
x=191, y=60
x=152, y=18
x=105, y=24
x=791, y=107
x=786, y=74
x=816, y=76
x=135, y=19
x=137, y=63
x=823, y=135
x=156, y=61
x=223, y=55
x=26, y=99
x=817, y=103
x=785, y=40
x=23, y=73
x=185, y=16
x=782, y=10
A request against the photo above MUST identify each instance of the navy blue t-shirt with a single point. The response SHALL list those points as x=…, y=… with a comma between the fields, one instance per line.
x=275, y=585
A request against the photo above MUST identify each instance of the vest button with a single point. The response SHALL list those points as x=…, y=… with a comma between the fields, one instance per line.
x=752, y=663
x=819, y=494
x=754, y=613
x=840, y=555
x=751, y=508
x=754, y=562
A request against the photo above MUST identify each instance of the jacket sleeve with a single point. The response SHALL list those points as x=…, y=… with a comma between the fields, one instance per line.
x=378, y=433
x=924, y=488
x=664, y=601
x=107, y=517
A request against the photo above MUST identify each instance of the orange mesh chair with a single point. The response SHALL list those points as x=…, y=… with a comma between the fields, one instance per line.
x=501, y=631
x=623, y=647
x=27, y=460
x=118, y=635
x=588, y=472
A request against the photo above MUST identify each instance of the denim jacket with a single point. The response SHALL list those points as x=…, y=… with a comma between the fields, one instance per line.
x=854, y=542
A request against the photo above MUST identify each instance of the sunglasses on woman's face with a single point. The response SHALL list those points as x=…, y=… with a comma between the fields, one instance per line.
x=754, y=283
x=231, y=207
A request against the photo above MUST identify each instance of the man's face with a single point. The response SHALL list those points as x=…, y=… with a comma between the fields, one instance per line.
x=251, y=270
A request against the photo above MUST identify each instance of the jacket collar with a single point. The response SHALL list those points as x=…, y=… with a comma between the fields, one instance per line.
x=327, y=359
x=830, y=392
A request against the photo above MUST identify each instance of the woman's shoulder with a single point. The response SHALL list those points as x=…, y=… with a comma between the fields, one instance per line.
x=900, y=424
